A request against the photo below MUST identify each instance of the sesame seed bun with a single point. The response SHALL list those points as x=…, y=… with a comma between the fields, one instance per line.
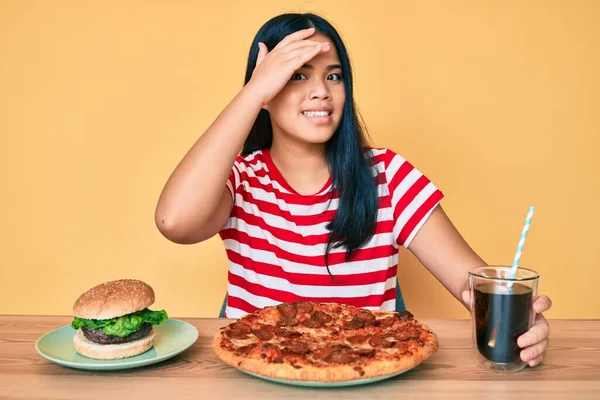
x=111, y=351
x=114, y=299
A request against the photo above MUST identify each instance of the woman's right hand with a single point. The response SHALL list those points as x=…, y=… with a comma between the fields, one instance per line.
x=275, y=68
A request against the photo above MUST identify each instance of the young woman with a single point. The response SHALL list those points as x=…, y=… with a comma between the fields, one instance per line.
x=308, y=210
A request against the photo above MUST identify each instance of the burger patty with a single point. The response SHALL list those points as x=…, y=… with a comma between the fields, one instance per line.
x=98, y=335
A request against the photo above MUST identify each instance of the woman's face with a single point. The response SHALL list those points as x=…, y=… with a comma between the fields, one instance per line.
x=309, y=108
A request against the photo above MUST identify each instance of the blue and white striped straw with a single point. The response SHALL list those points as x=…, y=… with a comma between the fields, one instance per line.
x=517, y=259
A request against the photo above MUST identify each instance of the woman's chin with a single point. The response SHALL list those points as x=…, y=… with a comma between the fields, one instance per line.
x=315, y=139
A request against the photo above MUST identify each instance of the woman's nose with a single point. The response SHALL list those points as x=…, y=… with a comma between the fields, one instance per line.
x=318, y=90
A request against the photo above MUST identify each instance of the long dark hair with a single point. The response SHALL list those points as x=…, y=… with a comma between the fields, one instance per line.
x=350, y=167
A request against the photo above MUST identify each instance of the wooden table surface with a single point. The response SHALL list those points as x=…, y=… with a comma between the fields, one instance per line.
x=571, y=370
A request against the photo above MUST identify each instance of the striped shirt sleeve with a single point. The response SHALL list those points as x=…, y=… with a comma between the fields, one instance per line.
x=233, y=182
x=414, y=197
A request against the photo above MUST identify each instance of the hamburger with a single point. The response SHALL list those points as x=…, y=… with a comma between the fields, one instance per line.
x=113, y=320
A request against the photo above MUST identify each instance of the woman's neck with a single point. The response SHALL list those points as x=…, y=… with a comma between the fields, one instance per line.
x=303, y=166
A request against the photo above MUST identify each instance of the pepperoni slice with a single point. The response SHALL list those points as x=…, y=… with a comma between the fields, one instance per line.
x=288, y=322
x=322, y=316
x=340, y=357
x=409, y=334
x=341, y=347
x=296, y=346
x=354, y=324
x=287, y=310
x=271, y=351
x=235, y=334
x=378, y=341
x=263, y=334
x=269, y=328
x=303, y=306
x=246, y=349
x=374, y=322
x=404, y=315
x=357, y=339
x=288, y=354
x=322, y=353
x=387, y=322
x=288, y=334
x=364, y=315
x=312, y=323
x=365, y=352
x=241, y=327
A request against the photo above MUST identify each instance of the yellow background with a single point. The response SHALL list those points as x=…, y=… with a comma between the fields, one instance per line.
x=496, y=101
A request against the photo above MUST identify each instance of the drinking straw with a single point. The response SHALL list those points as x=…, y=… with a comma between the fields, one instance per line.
x=517, y=259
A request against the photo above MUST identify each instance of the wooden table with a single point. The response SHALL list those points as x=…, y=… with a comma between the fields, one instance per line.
x=571, y=370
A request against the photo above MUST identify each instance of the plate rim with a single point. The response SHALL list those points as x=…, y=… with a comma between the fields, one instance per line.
x=116, y=364
x=317, y=384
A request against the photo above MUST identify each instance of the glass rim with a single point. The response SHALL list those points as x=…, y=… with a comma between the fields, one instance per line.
x=476, y=272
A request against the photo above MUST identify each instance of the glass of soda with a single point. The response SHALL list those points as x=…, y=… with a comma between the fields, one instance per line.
x=501, y=311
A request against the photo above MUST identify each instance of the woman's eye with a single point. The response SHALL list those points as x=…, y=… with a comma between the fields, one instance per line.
x=301, y=77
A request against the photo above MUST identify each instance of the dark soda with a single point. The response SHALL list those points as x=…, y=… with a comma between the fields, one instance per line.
x=501, y=316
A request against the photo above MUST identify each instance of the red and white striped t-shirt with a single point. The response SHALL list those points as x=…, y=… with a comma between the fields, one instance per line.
x=275, y=237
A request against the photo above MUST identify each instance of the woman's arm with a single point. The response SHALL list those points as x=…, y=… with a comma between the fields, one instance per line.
x=195, y=202
x=444, y=252
x=440, y=247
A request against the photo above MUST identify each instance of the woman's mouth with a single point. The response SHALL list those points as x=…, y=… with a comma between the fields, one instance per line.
x=318, y=117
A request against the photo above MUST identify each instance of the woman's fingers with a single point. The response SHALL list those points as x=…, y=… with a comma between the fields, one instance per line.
x=299, y=44
x=304, y=54
x=298, y=35
x=262, y=53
